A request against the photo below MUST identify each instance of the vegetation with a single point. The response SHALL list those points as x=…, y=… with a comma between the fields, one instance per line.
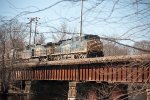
x=12, y=36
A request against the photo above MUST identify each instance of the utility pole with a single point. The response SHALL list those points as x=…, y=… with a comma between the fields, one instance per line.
x=36, y=20
x=30, y=22
x=81, y=17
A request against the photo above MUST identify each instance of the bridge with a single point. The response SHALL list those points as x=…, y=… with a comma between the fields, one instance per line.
x=124, y=69
x=111, y=69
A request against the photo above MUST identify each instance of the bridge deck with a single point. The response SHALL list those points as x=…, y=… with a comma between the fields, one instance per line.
x=122, y=69
x=108, y=59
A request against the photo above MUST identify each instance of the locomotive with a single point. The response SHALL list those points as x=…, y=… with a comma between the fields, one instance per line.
x=86, y=46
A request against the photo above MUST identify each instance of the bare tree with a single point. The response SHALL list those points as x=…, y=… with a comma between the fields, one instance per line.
x=143, y=45
x=12, y=35
x=134, y=17
x=41, y=39
x=113, y=49
x=3, y=53
x=63, y=32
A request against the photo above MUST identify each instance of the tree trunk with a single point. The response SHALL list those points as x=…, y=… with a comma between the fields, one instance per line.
x=4, y=86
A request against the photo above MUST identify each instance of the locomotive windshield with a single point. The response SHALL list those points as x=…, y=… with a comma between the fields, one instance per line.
x=86, y=37
x=91, y=37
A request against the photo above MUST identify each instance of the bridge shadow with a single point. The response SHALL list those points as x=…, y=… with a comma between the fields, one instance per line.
x=57, y=90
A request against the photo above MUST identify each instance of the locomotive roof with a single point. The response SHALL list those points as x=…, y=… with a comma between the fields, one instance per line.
x=85, y=37
x=90, y=36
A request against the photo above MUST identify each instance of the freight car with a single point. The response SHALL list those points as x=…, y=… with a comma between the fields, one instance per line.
x=75, y=48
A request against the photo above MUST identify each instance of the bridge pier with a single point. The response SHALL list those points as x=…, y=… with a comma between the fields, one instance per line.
x=27, y=87
x=72, y=93
x=148, y=94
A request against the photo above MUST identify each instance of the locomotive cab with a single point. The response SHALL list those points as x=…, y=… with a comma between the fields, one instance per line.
x=94, y=46
x=39, y=52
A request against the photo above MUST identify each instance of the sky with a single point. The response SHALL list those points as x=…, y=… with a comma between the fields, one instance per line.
x=104, y=19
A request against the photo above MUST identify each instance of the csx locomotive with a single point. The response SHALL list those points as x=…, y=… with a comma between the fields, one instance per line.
x=75, y=48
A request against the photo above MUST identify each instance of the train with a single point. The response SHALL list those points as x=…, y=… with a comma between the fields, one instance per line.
x=79, y=47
